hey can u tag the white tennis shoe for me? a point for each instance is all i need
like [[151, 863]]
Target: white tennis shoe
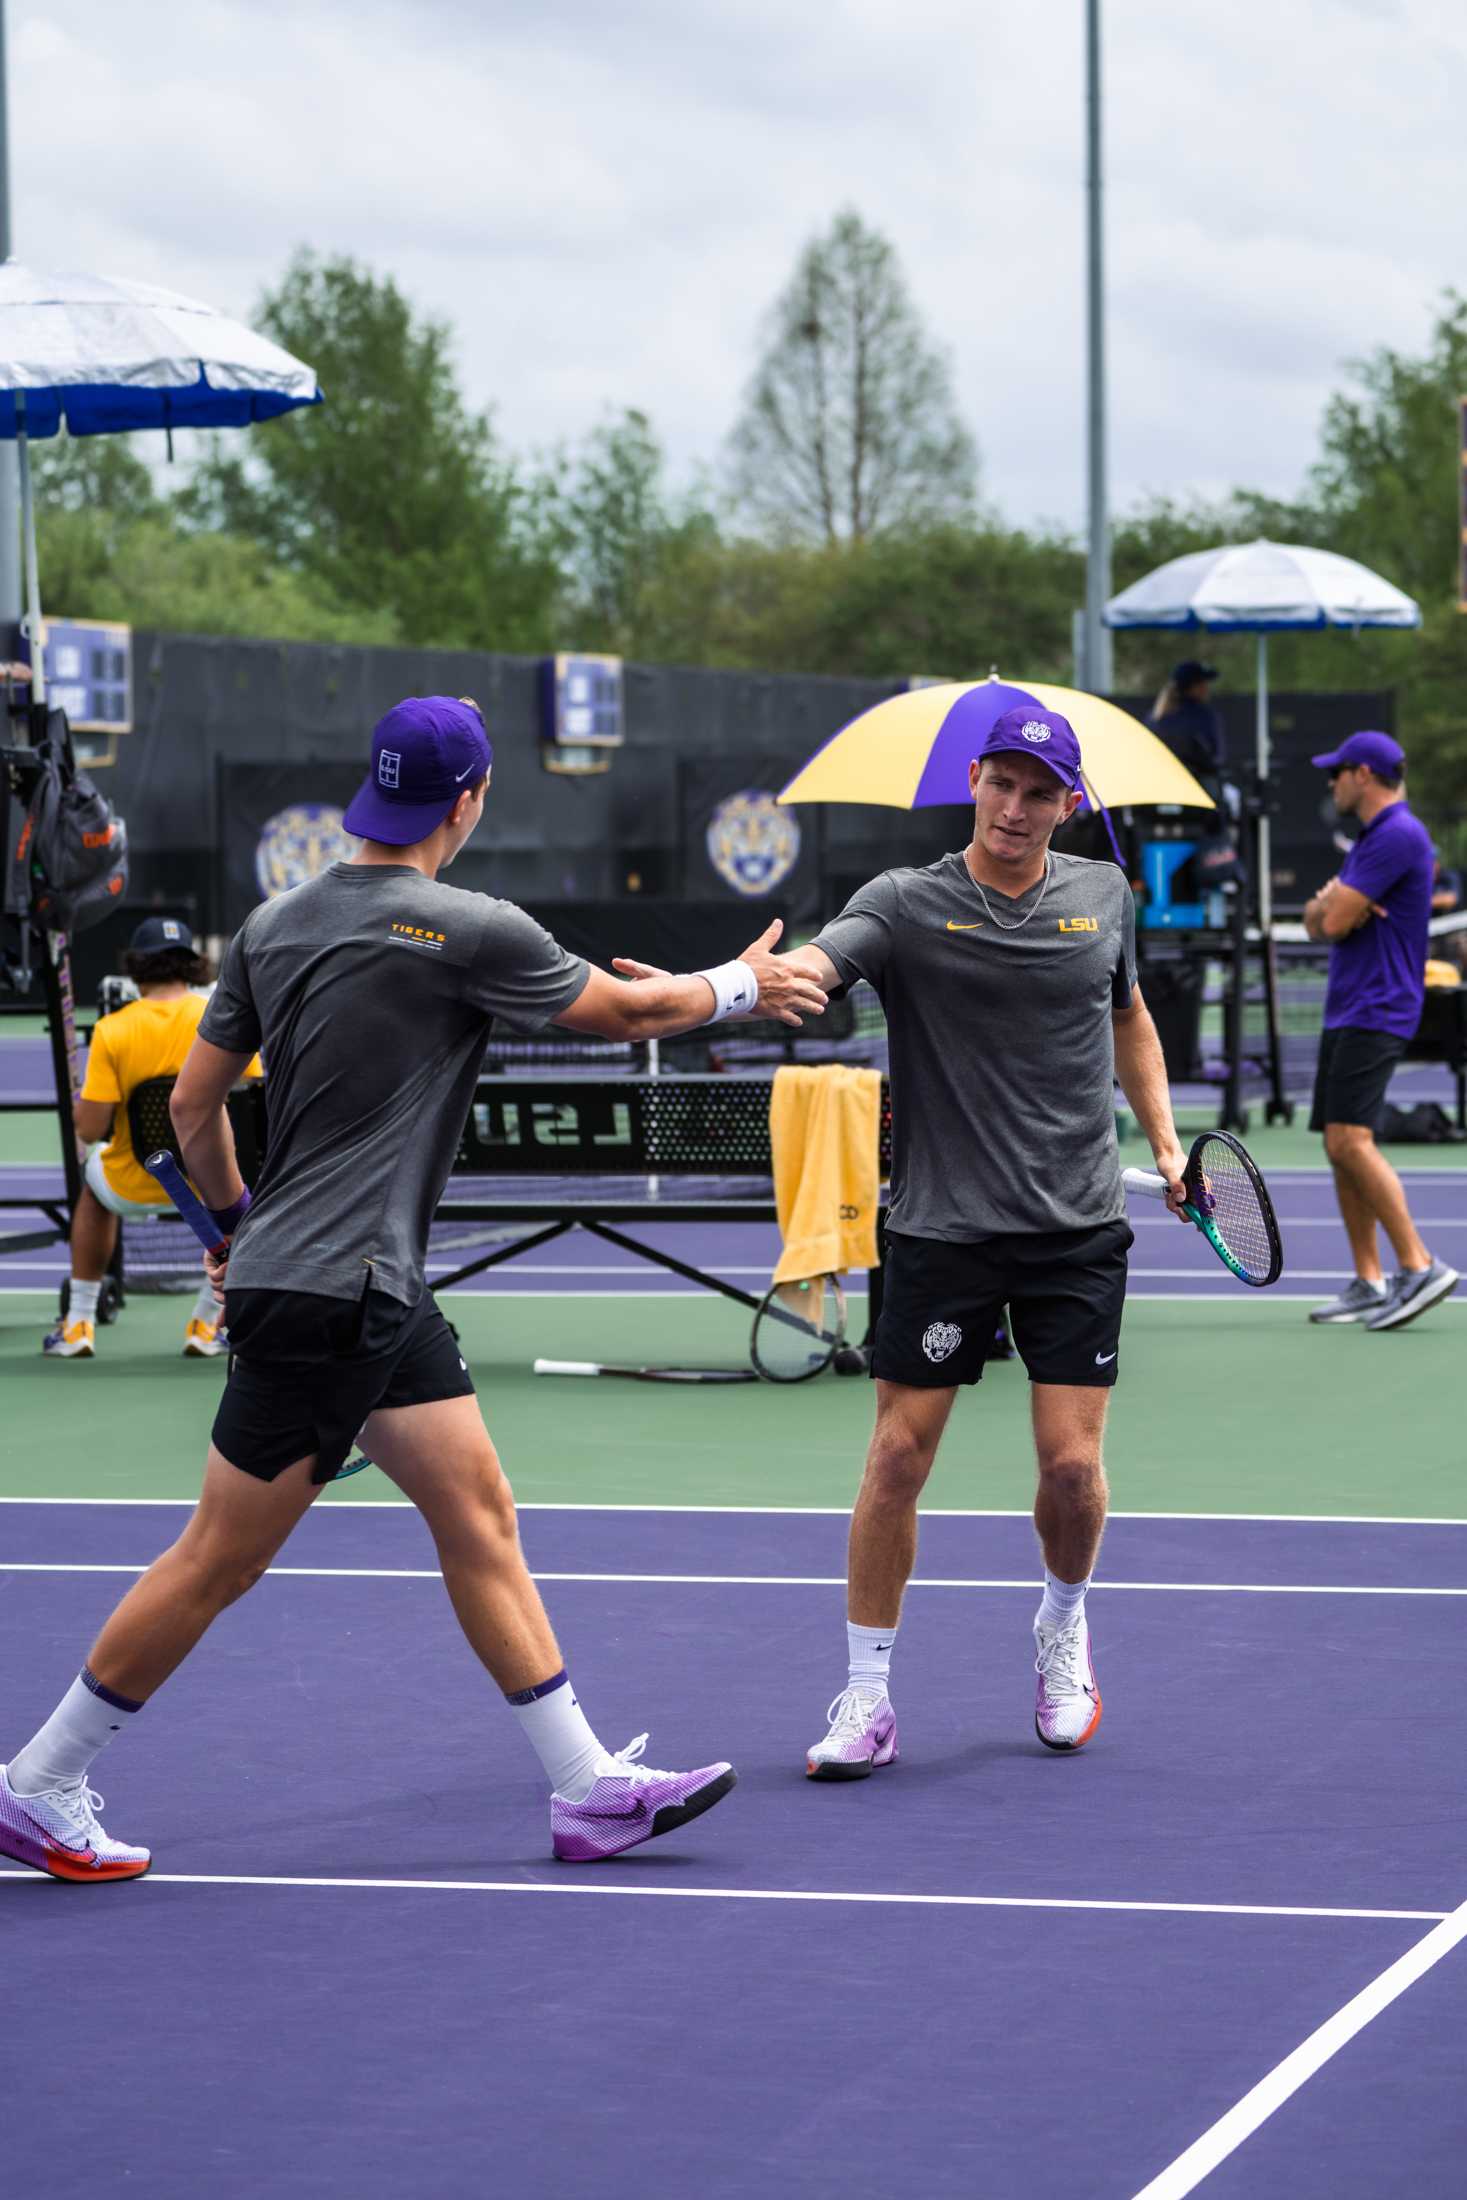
[[862, 1736], [59, 1832], [1067, 1697]]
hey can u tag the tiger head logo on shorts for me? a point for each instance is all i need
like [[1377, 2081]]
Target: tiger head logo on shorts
[[940, 1339]]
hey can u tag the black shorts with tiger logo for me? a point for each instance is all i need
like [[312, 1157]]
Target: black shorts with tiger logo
[[1064, 1290]]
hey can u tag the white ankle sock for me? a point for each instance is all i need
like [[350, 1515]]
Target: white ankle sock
[[869, 1650], [81, 1300], [82, 1724], [206, 1307], [560, 1734], [1063, 1600]]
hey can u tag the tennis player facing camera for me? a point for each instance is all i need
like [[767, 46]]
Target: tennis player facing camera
[[1008, 975], [370, 991]]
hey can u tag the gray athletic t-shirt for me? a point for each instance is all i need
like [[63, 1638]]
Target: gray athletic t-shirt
[[1002, 1052], [369, 991]]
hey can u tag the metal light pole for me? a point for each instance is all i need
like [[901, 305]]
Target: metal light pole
[[9, 477], [1097, 674]]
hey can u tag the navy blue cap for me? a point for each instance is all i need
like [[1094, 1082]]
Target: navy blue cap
[[155, 934], [426, 752], [1042, 734], [1383, 755]]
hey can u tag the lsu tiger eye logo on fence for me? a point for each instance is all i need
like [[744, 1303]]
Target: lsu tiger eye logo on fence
[[300, 843], [753, 844]]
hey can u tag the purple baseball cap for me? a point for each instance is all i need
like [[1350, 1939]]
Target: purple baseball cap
[[425, 753], [1378, 750], [1042, 734]]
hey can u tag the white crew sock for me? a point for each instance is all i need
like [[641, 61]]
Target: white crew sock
[[1063, 1601], [82, 1724], [869, 1649], [206, 1307], [561, 1736], [81, 1300]]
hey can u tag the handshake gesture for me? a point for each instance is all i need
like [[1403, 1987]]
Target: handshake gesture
[[788, 992]]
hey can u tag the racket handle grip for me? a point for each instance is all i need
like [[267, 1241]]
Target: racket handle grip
[[1144, 1181], [186, 1200], [566, 1367]]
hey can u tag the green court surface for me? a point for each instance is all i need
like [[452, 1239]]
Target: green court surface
[[1227, 1405]]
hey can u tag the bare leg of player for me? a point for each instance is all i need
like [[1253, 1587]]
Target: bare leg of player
[[1354, 1155], [1358, 1217], [1069, 1518], [441, 1457], [862, 1734], [93, 1236]]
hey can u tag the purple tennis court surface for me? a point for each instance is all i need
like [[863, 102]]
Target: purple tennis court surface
[[814, 1990]]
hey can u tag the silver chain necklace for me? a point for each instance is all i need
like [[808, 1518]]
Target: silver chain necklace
[[997, 922]]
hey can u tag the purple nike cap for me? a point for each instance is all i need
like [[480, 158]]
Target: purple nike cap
[[1378, 750], [1042, 734], [425, 753]]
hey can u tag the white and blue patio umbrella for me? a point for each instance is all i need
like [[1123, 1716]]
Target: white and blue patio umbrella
[[110, 357], [1261, 588]]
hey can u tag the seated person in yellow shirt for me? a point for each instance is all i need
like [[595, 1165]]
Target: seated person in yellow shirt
[[148, 1038]]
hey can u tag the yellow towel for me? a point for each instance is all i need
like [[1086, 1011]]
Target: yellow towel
[[825, 1137], [1442, 976]]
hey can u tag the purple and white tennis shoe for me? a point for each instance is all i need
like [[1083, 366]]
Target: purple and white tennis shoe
[[1067, 1696], [862, 1735], [58, 1832], [633, 1804]]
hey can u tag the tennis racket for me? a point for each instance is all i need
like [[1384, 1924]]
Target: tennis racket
[[647, 1374], [798, 1329], [1228, 1200], [186, 1200]]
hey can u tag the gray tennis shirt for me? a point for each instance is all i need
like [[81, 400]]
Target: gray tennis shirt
[[370, 991], [1002, 1052]]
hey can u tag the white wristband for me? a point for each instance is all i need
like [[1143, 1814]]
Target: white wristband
[[735, 989]]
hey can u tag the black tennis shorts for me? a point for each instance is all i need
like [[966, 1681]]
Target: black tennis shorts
[[306, 1371], [1064, 1289], [1352, 1076]]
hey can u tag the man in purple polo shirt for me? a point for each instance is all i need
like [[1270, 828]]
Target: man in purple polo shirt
[[1375, 915]]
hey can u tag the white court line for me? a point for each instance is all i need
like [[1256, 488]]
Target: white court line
[[766, 1894], [815, 1512], [1027, 1582], [1244, 2117]]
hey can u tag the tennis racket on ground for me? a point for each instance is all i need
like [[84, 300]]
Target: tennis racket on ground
[[647, 1374], [798, 1329], [1228, 1200], [186, 1200]]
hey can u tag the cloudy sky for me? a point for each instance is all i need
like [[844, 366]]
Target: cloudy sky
[[604, 196]]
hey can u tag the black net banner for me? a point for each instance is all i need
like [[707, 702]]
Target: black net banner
[[279, 824]]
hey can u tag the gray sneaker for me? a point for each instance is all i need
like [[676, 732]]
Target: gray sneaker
[[1412, 1291], [1355, 1302]]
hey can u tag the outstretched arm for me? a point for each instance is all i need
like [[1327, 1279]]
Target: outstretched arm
[[1141, 1072], [645, 1003]]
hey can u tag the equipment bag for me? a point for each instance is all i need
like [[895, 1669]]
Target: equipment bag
[[1425, 1124], [78, 851]]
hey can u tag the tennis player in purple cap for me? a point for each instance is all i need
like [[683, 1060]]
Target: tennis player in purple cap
[[370, 991], [1008, 976], [1376, 916]]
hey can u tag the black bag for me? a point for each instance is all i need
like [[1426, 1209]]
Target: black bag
[[1425, 1124], [78, 851]]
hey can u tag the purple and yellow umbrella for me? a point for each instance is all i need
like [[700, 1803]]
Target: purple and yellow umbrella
[[913, 751]]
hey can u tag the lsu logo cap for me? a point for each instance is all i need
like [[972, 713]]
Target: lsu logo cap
[[1042, 734]]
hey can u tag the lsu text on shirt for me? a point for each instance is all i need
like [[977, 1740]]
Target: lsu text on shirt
[[1002, 1051], [371, 990]]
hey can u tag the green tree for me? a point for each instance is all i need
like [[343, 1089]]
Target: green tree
[[392, 496], [849, 426]]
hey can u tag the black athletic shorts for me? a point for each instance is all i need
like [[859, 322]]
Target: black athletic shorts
[[1064, 1289], [1352, 1075], [306, 1371]]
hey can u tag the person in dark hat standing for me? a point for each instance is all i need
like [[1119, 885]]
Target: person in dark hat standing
[[1008, 975], [1185, 717], [1376, 917], [149, 1037]]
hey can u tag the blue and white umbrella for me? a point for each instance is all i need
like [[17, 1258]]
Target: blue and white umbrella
[[1262, 588], [108, 357]]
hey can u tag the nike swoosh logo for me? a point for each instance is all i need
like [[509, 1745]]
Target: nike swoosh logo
[[978, 927], [1103, 1359], [636, 1808], [460, 777]]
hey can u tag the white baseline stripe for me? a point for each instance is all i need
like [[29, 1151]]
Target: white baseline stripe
[[764, 1894], [821, 1512], [1243, 2119], [779, 1581]]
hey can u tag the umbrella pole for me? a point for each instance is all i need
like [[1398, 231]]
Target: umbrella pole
[[1261, 765], [32, 573]]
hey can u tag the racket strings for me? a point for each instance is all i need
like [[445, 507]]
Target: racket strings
[[1229, 1197]]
